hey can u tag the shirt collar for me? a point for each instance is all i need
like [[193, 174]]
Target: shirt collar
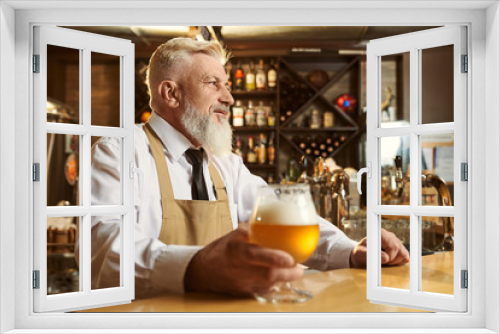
[[174, 142]]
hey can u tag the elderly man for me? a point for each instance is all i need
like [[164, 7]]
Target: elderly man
[[188, 235]]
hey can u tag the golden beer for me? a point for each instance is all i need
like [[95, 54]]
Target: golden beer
[[284, 218], [297, 240]]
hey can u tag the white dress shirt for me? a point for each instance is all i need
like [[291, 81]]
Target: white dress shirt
[[160, 267]]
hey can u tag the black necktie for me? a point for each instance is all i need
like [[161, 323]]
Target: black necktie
[[198, 186]]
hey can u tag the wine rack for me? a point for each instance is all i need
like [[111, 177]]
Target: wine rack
[[294, 100]]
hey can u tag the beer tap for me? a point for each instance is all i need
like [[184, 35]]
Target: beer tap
[[444, 199], [401, 179], [304, 178], [339, 182]]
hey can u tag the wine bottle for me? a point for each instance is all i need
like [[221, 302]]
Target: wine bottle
[[237, 148], [238, 114], [229, 73], [313, 144], [250, 117], [250, 78], [261, 118], [272, 75], [271, 118], [262, 154], [261, 76], [251, 154], [239, 78], [271, 149]]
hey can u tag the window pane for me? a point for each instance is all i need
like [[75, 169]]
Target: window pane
[[106, 175], [63, 84], [395, 90], [395, 164], [106, 252], [438, 169], [437, 85], [63, 152], [437, 271], [105, 92], [62, 267], [397, 276]]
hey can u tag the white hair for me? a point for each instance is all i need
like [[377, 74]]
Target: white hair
[[165, 58]]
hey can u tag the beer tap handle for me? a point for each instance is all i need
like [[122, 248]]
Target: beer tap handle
[[368, 171]]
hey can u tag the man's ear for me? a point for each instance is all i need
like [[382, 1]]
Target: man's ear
[[169, 92]]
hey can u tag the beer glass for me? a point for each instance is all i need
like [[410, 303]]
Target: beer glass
[[284, 217]]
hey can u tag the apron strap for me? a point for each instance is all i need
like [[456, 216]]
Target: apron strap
[[166, 190], [163, 174], [220, 189]]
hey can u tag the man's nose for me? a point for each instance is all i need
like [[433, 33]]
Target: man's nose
[[226, 97]]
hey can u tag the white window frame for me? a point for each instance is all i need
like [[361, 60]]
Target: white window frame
[[85, 44], [16, 21], [414, 43]]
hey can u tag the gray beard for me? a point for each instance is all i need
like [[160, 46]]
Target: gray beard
[[217, 138]]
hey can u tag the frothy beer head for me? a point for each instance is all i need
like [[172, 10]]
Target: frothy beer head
[[282, 213]]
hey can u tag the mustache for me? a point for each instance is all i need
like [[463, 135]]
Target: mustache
[[219, 107]]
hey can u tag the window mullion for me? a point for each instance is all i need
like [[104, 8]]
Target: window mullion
[[85, 165], [415, 178]]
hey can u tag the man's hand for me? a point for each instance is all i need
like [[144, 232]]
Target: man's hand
[[393, 251], [232, 265]]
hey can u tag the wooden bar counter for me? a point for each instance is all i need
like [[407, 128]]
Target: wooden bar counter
[[341, 290]]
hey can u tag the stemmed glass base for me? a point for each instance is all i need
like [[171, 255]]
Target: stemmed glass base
[[284, 292]]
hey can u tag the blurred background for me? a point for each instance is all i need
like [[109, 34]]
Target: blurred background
[[299, 116]]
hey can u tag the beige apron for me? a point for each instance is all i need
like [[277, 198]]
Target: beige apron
[[185, 222]]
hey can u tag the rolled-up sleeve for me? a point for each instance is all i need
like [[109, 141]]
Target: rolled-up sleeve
[[333, 250]]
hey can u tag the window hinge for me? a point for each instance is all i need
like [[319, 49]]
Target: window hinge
[[36, 279], [36, 63], [465, 279], [465, 64], [464, 171], [36, 172]]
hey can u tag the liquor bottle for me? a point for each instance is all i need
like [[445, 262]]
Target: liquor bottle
[[293, 170], [251, 155], [237, 148], [250, 78], [271, 149], [272, 75], [239, 78], [250, 117], [238, 114], [271, 118], [261, 76], [229, 73], [261, 114], [315, 120], [262, 153]]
